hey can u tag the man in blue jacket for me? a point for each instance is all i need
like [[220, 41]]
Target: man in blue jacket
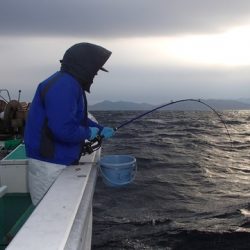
[[58, 124]]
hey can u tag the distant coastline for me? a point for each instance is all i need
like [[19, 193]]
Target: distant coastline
[[241, 104]]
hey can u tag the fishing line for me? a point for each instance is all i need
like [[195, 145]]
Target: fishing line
[[95, 144], [171, 103]]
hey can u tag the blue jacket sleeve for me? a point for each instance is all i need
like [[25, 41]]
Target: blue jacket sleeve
[[94, 124], [63, 102]]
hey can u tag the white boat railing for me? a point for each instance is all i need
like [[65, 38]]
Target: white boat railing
[[63, 219]]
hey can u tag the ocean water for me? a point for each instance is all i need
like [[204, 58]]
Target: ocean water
[[192, 187]]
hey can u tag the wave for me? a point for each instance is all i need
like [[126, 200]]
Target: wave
[[178, 240], [191, 190]]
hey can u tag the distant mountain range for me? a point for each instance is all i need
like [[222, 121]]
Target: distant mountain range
[[121, 105], [244, 100], [242, 104]]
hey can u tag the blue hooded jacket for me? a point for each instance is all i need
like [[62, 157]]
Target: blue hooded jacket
[[57, 124]]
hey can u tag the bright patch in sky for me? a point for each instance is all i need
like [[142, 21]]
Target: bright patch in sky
[[227, 49]]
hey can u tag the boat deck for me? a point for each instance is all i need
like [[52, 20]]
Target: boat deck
[[63, 219], [15, 208]]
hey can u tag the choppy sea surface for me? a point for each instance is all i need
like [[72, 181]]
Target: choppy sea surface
[[192, 187]]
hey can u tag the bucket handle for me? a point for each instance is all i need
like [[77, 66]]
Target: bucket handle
[[123, 183]]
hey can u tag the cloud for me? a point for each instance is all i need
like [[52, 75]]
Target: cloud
[[161, 84], [117, 18], [134, 75], [35, 34]]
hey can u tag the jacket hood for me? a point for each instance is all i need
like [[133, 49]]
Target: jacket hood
[[83, 60]]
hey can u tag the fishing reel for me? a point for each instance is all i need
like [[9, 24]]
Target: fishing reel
[[93, 145]]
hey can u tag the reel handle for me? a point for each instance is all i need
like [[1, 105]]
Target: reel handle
[[93, 145]]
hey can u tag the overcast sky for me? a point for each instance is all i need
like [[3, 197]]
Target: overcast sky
[[162, 49]]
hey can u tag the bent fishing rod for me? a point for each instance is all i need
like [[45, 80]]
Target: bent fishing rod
[[95, 144]]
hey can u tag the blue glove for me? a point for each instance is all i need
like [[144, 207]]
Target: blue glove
[[107, 132], [93, 132]]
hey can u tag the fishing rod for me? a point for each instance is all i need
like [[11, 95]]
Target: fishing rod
[[96, 143], [171, 103]]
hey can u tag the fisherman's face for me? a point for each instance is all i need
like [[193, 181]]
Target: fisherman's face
[[87, 84]]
